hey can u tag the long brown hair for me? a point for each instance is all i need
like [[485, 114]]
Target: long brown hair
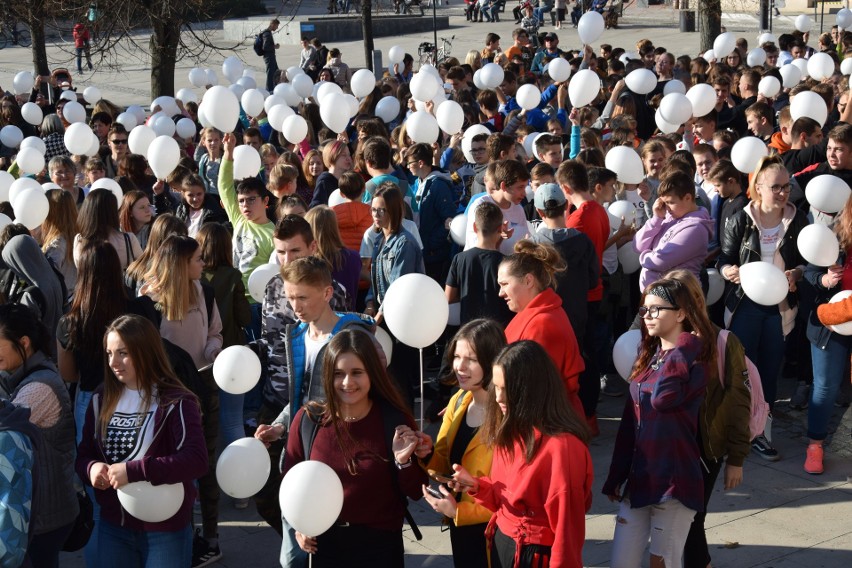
[[164, 226], [843, 227], [168, 277], [216, 246], [382, 388], [680, 286], [61, 221], [330, 246], [153, 369], [536, 399], [125, 213], [486, 338]]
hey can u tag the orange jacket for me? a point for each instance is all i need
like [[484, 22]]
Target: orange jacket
[[353, 219]]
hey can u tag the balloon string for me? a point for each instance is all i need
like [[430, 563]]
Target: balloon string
[[421, 389], [310, 560]]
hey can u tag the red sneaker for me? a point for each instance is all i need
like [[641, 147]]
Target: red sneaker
[[813, 459]]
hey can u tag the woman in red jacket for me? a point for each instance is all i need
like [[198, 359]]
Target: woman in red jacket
[[81, 44], [526, 280], [541, 475]]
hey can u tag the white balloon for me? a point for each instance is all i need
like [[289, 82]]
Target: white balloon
[[335, 198], [622, 209], [294, 128], [802, 65], [30, 161], [724, 44], [820, 66], [764, 283], [625, 352], [416, 310], [386, 342], [4, 220], [326, 88], [803, 23], [247, 162], [422, 127], [396, 54], [92, 95], [294, 71], [31, 207], [716, 288], [23, 82], [628, 56], [151, 503], [528, 96], [186, 96], [252, 102], [423, 87], [291, 97], [450, 117], [766, 37], [709, 56], [197, 77], [6, 181], [68, 96], [74, 112], [790, 76], [311, 497], [842, 328], [845, 67], [164, 126], [747, 152], [94, 146], [665, 127], [363, 82], [243, 468], [477, 80], [703, 99], [34, 142], [467, 139], [163, 156], [458, 229], [828, 193], [628, 258], [138, 112], [810, 104], [222, 108], [236, 369], [818, 245], [844, 18], [492, 75], [11, 136], [259, 278], [674, 86], [185, 128], [353, 104], [676, 108], [127, 119], [590, 27], [641, 81], [140, 139], [78, 138], [584, 87], [32, 113], [110, 185], [626, 163], [247, 83], [769, 86], [167, 105], [529, 142], [19, 186], [559, 70], [303, 85], [273, 101], [756, 57], [211, 78], [331, 115], [388, 108], [237, 89]]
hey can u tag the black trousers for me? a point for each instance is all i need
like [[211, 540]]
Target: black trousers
[[470, 549], [503, 553], [266, 500], [696, 554], [359, 547]]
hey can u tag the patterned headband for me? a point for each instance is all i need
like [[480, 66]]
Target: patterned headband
[[663, 293]]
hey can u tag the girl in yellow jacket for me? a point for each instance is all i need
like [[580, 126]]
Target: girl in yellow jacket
[[471, 353]]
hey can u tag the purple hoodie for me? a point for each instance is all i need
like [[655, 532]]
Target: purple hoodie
[[667, 244]]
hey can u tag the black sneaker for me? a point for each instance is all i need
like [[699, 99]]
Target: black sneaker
[[764, 449], [799, 400], [202, 553], [613, 385]]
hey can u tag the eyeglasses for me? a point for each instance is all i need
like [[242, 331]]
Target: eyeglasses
[[378, 211], [780, 188], [408, 164], [654, 311], [247, 200], [476, 150], [118, 141]]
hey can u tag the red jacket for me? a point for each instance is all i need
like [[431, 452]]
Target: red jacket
[[593, 220], [81, 35], [545, 322], [543, 502]]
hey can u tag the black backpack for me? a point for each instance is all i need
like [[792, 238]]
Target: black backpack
[[390, 418], [258, 44]]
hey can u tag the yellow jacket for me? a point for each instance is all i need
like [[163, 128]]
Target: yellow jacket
[[476, 459]]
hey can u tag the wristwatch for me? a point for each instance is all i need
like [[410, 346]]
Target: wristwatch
[[402, 466]]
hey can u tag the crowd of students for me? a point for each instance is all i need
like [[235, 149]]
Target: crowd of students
[[113, 311]]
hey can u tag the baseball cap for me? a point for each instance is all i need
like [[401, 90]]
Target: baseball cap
[[549, 196], [550, 36]]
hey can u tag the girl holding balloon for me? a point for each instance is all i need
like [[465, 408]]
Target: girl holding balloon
[[351, 436], [471, 353], [766, 230], [540, 482], [143, 425]]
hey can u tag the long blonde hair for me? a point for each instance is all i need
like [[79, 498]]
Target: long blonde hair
[[330, 246], [61, 221], [168, 277]]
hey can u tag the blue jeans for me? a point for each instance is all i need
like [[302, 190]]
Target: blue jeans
[[271, 67], [540, 12], [253, 398], [81, 405], [140, 549], [230, 418], [292, 556], [830, 367], [759, 330]]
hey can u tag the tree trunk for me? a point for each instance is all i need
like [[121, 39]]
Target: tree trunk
[[39, 48], [164, 45], [367, 27], [709, 22]]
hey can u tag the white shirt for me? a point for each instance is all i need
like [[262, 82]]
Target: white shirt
[[130, 430], [516, 217], [769, 242]]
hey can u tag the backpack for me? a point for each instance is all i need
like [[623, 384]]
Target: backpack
[[258, 44], [309, 427], [751, 377]]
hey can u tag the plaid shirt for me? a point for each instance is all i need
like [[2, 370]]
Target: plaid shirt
[[656, 451]]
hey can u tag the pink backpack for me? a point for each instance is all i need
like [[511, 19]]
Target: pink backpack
[[759, 406]]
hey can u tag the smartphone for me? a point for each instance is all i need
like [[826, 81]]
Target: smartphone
[[434, 492], [439, 478]]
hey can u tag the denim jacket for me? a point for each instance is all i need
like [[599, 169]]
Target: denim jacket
[[392, 258]]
